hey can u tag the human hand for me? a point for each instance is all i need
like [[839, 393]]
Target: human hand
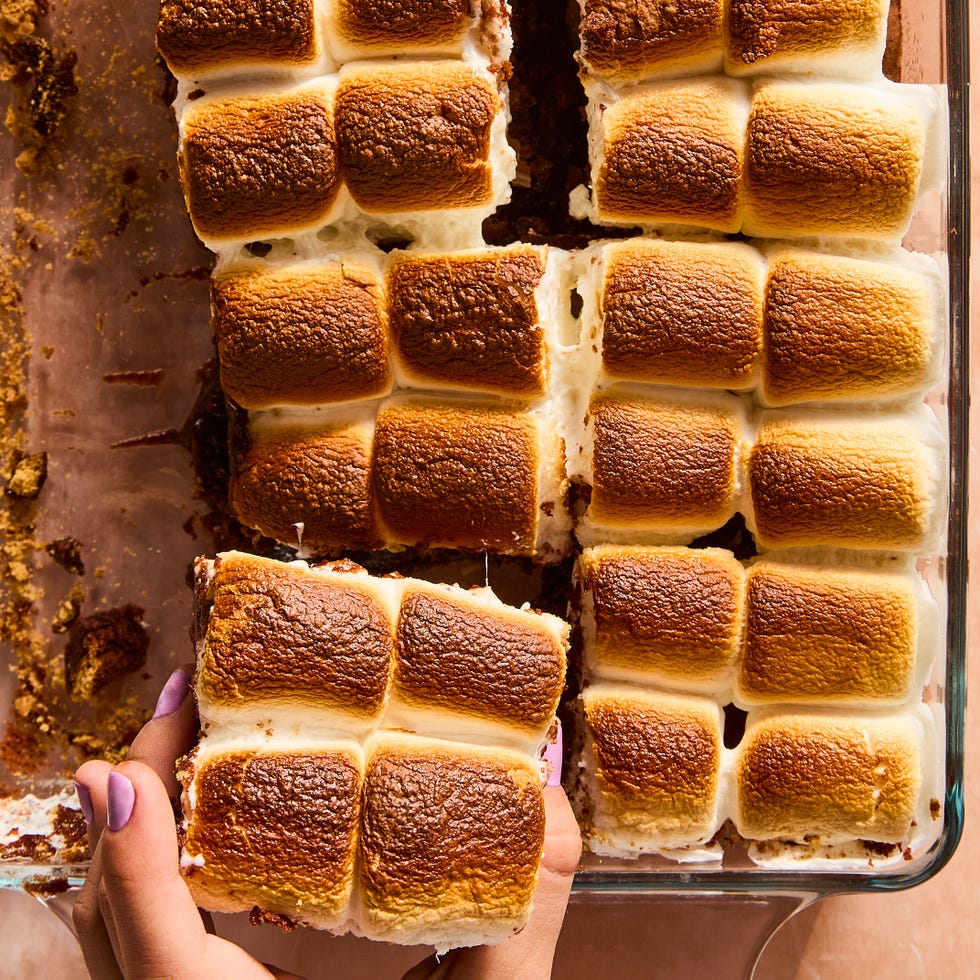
[[135, 916]]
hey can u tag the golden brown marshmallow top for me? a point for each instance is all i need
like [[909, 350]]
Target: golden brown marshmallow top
[[448, 829], [662, 464], [470, 319], [674, 155], [844, 777], [416, 137], [259, 167], [415, 23], [208, 35], [632, 39], [827, 635], [654, 751], [830, 160], [846, 484], [279, 827], [839, 327], [320, 479], [454, 655], [671, 612], [786, 28], [280, 635], [301, 335], [457, 476], [682, 313]]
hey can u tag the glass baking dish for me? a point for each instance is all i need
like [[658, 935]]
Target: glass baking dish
[[107, 288]]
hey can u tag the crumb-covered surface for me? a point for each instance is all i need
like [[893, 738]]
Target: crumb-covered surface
[[102, 287]]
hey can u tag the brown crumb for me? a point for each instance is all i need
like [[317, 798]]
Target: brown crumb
[[258, 916], [935, 808], [67, 552], [103, 647]]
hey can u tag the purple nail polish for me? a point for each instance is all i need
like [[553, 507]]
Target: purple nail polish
[[121, 798], [552, 756], [173, 693], [85, 802]]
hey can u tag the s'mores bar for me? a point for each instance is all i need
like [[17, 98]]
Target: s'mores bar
[[841, 328], [652, 772], [675, 313], [665, 616], [481, 319], [476, 476], [207, 39], [369, 757], [632, 42], [875, 482], [828, 778], [273, 828], [833, 159], [305, 480], [834, 635], [422, 137], [830, 37], [669, 154], [300, 333], [260, 165], [660, 468], [468, 666], [451, 841]]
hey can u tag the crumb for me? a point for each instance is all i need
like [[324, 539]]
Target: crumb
[[67, 613], [258, 916], [103, 647], [67, 552], [28, 476]]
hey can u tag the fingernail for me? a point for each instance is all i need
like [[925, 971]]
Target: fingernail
[[121, 798], [85, 802], [173, 694], [552, 756]]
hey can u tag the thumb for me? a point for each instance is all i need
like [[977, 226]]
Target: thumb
[[158, 929]]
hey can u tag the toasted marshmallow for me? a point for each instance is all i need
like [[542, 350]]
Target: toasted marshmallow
[[652, 772], [830, 37], [469, 667], [260, 165], [304, 480], [828, 778], [676, 313], [476, 476], [839, 328], [283, 641], [833, 159], [451, 840], [670, 617], [274, 828], [661, 469], [303, 333], [874, 482], [208, 39], [470, 320], [634, 42], [834, 635], [369, 29], [669, 155], [422, 137]]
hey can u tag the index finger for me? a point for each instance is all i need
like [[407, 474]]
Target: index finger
[[170, 733]]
